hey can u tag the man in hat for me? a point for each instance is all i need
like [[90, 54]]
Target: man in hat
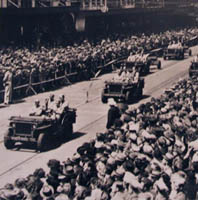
[[7, 82], [113, 113]]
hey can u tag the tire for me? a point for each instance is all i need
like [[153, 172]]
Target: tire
[[103, 98], [67, 134], [159, 64], [190, 52], [8, 143], [140, 93], [70, 130], [148, 70], [42, 142]]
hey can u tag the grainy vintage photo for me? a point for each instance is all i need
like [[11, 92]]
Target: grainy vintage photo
[[98, 100]]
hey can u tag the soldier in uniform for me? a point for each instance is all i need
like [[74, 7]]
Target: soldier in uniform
[[57, 111], [51, 103], [7, 82], [63, 103], [37, 109]]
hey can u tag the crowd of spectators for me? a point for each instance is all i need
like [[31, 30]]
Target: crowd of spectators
[[80, 59], [151, 152]]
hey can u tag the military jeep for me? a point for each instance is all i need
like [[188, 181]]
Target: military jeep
[[126, 91], [152, 59], [143, 67], [174, 53], [39, 130]]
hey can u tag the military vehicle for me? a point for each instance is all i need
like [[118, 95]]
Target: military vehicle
[[174, 53], [142, 67], [152, 59], [126, 91], [39, 130]]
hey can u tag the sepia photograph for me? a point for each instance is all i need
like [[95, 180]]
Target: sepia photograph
[[98, 99]]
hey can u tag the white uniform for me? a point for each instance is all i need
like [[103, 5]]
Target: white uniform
[[7, 80]]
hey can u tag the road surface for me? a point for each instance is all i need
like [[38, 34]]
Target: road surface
[[91, 117]]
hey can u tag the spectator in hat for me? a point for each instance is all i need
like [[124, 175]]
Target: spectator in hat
[[33, 186], [47, 192]]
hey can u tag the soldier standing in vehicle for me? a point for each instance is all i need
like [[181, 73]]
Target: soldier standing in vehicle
[[57, 111], [63, 103], [7, 82], [51, 103]]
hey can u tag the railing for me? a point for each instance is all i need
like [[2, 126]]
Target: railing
[[93, 4], [37, 3], [103, 5], [58, 81]]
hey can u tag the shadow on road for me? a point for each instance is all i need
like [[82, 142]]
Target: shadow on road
[[145, 96], [76, 135], [3, 106], [18, 101]]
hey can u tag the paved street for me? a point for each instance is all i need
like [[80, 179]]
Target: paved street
[[91, 117]]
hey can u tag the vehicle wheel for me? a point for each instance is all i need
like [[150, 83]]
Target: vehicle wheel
[[42, 142], [8, 143], [190, 52], [159, 64], [140, 93], [70, 130], [67, 134], [148, 69], [103, 98]]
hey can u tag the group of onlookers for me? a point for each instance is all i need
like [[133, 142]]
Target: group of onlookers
[[79, 61], [149, 152]]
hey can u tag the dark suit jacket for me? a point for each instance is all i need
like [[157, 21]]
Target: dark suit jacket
[[113, 114]]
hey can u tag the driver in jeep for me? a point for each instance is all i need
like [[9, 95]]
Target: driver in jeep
[[37, 110]]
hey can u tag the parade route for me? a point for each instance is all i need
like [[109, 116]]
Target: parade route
[[91, 117]]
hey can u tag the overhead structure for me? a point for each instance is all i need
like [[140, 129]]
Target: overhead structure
[[102, 5]]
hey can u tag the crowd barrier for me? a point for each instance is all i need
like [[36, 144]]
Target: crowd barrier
[[30, 88], [68, 78]]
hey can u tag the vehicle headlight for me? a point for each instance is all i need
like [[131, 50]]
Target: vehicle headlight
[[13, 125], [34, 126]]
